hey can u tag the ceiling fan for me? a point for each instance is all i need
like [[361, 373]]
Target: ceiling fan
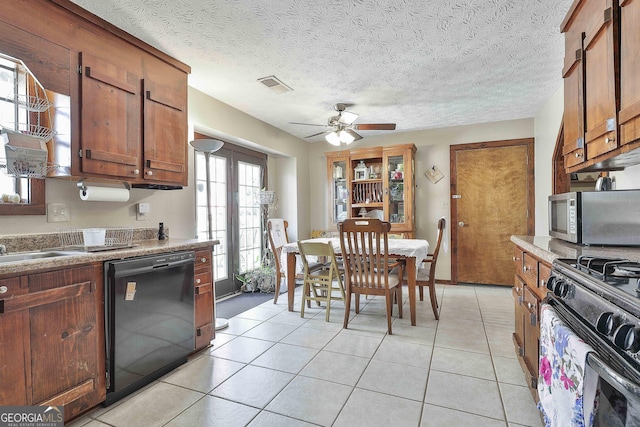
[[342, 129]]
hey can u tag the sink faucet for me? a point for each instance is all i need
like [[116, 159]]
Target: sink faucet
[[3, 249]]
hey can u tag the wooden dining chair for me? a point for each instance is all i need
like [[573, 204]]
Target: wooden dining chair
[[321, 285], [278, 237], [364, 243], [427, 272]]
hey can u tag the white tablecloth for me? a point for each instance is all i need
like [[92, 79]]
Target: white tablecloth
[[417, 248]]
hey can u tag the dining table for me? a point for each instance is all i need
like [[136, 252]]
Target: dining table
[[413, 251]]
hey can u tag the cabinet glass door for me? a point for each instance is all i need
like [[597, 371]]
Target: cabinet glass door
[[396, 188], [340, 191]]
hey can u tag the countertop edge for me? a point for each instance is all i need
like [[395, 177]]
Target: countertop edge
[[142, 248], [548, 249]]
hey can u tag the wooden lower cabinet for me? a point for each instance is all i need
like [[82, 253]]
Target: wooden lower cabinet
[[52, 339], [204, 305], [529, 289]]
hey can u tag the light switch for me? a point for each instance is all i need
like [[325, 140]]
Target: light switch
[[57, 212]]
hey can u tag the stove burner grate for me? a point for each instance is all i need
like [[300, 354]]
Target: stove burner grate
[[609, 267]]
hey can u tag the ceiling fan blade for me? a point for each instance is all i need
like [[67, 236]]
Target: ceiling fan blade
[[316, 134], [375, 126], [347, 117], [356, 135], [306, 124]]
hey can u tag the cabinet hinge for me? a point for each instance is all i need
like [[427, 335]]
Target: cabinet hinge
[[520, 351], [533, 319], [80, 69], [534, 382], [80, 153]]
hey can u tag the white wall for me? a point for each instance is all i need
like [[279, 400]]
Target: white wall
[[432, 200], [628, 179], [546, 128]]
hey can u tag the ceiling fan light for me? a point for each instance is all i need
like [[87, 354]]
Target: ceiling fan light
[[347, 117], [346, 137], [332, 138]]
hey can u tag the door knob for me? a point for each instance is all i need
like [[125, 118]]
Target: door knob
[[461, 223]]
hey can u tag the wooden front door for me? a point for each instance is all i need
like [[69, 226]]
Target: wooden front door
[[492, 194]]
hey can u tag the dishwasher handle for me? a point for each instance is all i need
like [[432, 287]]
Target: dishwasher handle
[[142, 265]]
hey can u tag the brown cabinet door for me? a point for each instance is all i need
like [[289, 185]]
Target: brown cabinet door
[[629, 115], [203, 299], [573, 148], [518, 334], [111, 133], [531, 335], [600, 44], [15, 380], [165, 133], [67, 339]]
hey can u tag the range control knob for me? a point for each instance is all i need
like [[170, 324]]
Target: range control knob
[[561, 288], [551, 282], [606, 323], [627, 337]]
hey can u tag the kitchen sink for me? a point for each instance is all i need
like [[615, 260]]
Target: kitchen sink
[[25, 256]]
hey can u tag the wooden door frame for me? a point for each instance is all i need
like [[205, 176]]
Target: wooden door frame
[[453, 149]]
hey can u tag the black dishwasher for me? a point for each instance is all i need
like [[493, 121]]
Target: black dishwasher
[[149, 319]]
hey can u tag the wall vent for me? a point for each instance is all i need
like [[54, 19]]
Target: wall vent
[[274, 84]]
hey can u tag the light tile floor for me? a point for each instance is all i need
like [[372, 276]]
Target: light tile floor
[[270, 367]]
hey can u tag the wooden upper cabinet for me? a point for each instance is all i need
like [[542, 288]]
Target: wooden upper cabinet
[[165, 132], [127, 100], [629, 115], [110, 119], [133, 128], [590, 88], [573, 75], [601, 85], [600, 50]]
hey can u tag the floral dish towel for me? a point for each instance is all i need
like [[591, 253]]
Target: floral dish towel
[[567, 386]]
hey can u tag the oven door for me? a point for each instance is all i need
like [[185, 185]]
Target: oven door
[[619, 396]]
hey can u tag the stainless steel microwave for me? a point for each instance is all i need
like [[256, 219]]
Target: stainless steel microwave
[[596, 217]]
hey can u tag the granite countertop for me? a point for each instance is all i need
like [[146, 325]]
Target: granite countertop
[[146, 247], [548, 249]]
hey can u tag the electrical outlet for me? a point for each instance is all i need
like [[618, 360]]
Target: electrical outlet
[[57, 212], [142, 211]]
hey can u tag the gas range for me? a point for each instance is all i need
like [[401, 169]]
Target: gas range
[[602, 296]]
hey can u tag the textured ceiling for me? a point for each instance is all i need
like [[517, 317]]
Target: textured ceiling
[[419, 63]]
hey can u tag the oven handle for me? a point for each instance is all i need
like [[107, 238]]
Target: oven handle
[[628, 388]]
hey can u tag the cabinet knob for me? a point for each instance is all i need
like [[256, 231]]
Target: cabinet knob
[[578, 154], [3, 289], [198, 281], [515, 258], [525, 268], [609, 140], [529, 305], [542, 283], [203, 259], [136, 171], [149, 173]]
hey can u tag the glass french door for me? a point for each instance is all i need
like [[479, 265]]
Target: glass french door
[[236, 178]]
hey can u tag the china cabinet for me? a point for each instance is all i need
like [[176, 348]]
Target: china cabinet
[[374, 182]]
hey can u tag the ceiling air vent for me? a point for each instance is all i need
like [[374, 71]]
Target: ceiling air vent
[[274, 84]]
